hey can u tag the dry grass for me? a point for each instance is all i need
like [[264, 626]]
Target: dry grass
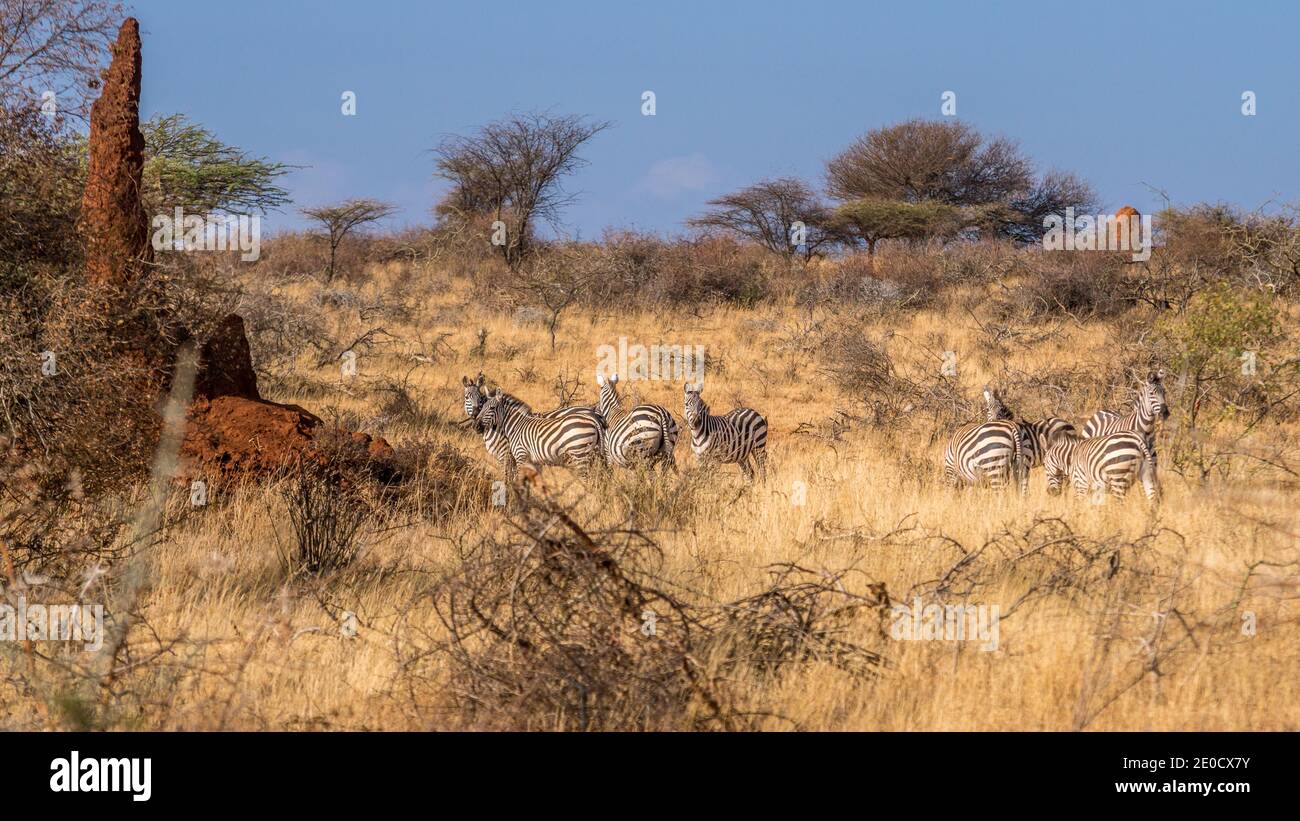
[[1113, 617]]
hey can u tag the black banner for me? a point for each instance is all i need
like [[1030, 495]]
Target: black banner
[[148, 771]]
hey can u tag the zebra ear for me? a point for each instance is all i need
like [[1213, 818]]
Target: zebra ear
[[481, 380], [464, 380], [600, 379], [613, 379], [497, 393], [1156, 376]]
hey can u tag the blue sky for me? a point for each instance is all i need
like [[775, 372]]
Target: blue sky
[[1128, 96]]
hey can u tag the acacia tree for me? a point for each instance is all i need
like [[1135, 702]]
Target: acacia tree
[[186, 165], [511, 170], [869, 221], [55, 45], [340, 220], [767, 211], [950, 162]]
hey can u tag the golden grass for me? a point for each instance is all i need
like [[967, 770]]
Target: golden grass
[[1160, 647]]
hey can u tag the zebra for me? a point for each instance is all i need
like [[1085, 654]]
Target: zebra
[[738, 438], [986, 452], [1111, 462], [645, 432], [497, 445], [1035, 437], [1151, 404]]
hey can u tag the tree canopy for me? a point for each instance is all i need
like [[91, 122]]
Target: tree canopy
[[511, 170]]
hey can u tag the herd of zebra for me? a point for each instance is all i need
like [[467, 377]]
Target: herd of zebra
[[1112, 452], [609, 433]]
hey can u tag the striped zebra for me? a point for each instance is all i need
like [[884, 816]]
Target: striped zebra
[[641, 433], [1108, 462], [1149, 406], [1035, 437], [496, 443], [738, 438], [989, 453]]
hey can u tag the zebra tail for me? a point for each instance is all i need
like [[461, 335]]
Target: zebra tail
[[1019, 464]]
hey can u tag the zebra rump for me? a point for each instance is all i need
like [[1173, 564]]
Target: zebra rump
[[1111, 462], [644, 432]]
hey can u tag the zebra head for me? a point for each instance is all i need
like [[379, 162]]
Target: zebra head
[[493, 411], [1151, 399], [694, 408], [995, 409], [1056, 462], [609, 400], [475, 395]]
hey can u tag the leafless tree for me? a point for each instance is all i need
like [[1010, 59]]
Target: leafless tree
[[511, 170], [767, 212], [552, 282], [55, 45], [1052, 194], [339, 220]]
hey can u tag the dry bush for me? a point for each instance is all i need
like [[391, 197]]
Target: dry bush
[[864, 373], [326, 516], [1133, 592], [1082, 285], [295, 255], [438, 481], [80, 376], [1269, 252], [41, 182], [87, 403], [626, 263], [48, 528], [558, 627], [852, 281], [637, 269]]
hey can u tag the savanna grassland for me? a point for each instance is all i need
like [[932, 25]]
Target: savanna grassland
[[1118, 616]]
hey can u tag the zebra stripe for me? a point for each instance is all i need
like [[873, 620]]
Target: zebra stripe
[[497, 446], [1035, 437], [1111, 462], [1149, 406], [575, 440], [985, 453], [737, 438], [644, 432]]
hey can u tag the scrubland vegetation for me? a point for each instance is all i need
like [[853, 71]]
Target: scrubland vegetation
[[430, 595], [770, 600]]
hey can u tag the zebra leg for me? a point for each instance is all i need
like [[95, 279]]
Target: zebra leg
[[664, 458], [950, 477], [1150, 484], [746, 469], [510, 467], [760, 459]]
